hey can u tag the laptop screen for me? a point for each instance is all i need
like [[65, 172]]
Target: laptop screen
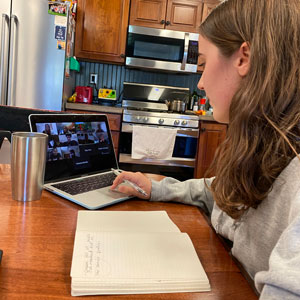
[[78, 144]]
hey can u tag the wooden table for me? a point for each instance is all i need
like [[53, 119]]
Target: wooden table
[[37, 239]]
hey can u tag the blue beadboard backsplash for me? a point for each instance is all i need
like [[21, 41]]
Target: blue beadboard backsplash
[[113, 76]]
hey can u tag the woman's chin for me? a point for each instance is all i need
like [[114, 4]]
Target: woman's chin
[[220, 118]]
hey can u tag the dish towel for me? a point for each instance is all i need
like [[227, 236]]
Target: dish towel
[[152, 142]]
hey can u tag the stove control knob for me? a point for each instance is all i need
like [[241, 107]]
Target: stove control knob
[[145, 119], [184, 122], [138, 118], [161, 121], [176, 122]]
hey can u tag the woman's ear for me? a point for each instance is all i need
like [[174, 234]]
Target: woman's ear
[[243, 59]]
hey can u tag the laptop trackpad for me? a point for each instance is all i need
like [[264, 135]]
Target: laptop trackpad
[[104, 196]]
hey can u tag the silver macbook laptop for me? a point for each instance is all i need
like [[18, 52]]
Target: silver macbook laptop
[[80, 157]]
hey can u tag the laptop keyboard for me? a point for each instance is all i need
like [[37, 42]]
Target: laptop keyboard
[[87, 184]]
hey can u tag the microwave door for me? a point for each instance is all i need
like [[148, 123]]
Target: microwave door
[[161, 49], [155, 49]]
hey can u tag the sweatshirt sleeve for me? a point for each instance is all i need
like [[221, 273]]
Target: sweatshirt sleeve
[[282, 280], [193, 192]]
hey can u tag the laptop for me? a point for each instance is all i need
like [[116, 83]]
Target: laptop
[[80, 156]]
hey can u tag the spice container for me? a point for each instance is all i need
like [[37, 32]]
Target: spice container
[[202, 110]]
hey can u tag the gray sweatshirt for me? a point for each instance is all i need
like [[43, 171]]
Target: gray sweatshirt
[[265, 240]]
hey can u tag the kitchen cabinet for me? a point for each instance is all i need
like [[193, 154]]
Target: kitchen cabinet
[[101, 29], [211, 135], [208, 6], [114, 120], [181, 15]]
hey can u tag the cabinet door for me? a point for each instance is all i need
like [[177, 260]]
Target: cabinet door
[[148, 13], [115, 138], [208, 7], [184, 15], [114, 121], [211, 136], [101, 29]]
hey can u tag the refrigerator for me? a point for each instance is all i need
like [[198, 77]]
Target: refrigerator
[[32, 66]]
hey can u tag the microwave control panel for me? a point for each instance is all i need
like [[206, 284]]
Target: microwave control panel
[[192, 57]]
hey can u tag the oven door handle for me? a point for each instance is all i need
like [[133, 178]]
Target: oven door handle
[[174, 161], [188, 133], [181, 132]]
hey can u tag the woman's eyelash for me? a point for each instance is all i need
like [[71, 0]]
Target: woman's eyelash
[[202, 65]]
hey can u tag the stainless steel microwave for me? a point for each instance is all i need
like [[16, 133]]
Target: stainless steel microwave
[[162, 49]]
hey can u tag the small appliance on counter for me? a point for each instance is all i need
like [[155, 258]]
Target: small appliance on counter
[[84, 94], [107, 94], [107, 97]]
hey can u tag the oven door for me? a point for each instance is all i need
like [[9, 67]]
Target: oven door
[[184, 153]]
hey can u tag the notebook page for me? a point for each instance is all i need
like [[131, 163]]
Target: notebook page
[[125, 221], [105, 256]]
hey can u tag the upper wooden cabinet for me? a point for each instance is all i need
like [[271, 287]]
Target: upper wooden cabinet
[[181, 15], [149, 13], [208, 6], [101, 30]]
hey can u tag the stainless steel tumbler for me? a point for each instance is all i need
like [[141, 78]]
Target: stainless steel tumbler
[[28, 161]]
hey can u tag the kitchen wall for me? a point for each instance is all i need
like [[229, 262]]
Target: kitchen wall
[[113, 76]]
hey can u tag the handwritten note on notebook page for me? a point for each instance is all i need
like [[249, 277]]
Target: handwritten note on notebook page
[[114, 262]]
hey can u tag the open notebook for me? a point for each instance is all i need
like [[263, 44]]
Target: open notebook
[[132, 252]]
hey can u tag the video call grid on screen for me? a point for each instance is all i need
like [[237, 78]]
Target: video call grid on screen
[[74, 140]]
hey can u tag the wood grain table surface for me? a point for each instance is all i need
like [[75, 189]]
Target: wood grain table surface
[[37, 241]]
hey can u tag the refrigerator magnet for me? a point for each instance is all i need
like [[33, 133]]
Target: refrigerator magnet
[[57, 8], [60, 33], [60, 21], [61, 45]]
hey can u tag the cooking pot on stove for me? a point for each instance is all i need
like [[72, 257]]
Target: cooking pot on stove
[[176, 105]]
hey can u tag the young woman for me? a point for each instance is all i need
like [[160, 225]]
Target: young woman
[[251, 50]]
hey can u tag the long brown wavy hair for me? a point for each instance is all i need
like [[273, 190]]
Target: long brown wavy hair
[[264, 116]]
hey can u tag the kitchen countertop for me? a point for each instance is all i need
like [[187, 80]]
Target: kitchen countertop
[[115, 109], [95, 107], [207, 118]]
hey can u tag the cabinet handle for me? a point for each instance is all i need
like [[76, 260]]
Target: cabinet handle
[[168, 23], [203, 129], [122, 55], [162, 22]]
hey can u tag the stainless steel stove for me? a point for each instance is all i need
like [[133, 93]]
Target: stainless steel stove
[[145, 105]]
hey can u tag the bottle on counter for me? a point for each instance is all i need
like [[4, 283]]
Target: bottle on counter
[[194, 100], [202, 110]]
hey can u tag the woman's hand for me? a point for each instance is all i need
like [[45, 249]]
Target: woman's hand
[[138, 178]]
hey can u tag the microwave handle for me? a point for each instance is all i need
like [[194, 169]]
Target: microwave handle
[[186, 49]]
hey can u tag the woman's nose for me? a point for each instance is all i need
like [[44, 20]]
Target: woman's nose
[[200, 85]]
